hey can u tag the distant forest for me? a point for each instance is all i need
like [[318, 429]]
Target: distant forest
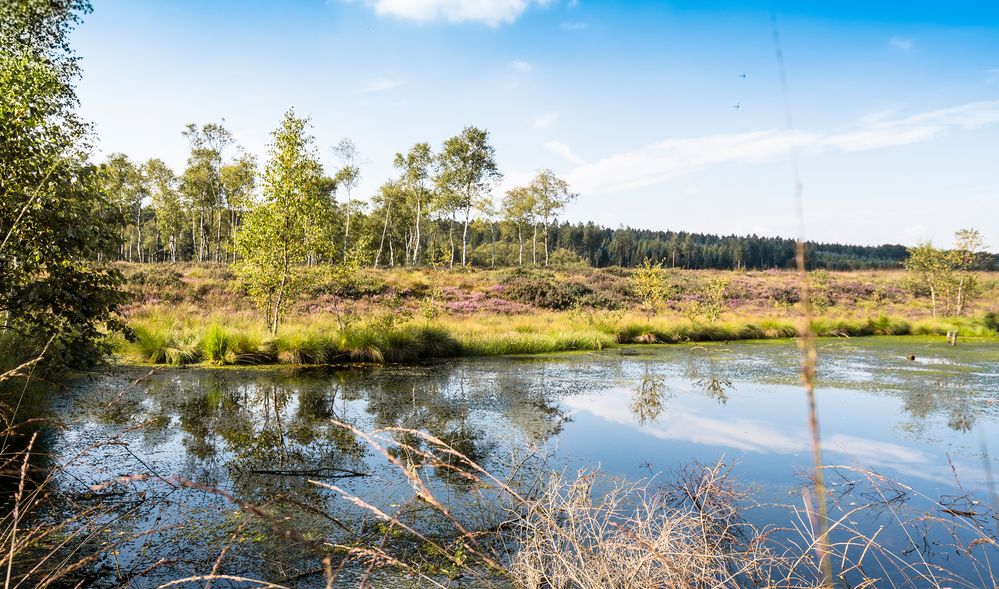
[[602, 246]]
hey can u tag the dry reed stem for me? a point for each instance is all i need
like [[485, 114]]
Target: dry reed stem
[[806, 330], [196, 578]]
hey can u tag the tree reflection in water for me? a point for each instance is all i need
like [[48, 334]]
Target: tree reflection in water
[[649, 399]]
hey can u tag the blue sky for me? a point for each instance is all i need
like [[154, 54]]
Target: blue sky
[[896, 106]]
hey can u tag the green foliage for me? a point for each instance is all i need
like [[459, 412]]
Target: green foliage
[[653, 287], [55, 218], [716, 292], [545, 291], [466, 172], [216, 346], [164, 345], [948, 274], [286, 230], [991, 320], [431, 306]]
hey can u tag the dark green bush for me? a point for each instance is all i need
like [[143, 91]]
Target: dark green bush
[[545, 291], [158, 277]]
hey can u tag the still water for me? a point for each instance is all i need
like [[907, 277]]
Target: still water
[[130, 436]]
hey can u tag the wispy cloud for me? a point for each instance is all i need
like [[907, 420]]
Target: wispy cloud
[[545, 120], [574, 25], [901, 43], [521, 67], [563, 150], [657, 162], [491, 13], [687, 424], [381, 85]]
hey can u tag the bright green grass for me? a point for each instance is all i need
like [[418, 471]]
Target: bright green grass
[[240, 340]]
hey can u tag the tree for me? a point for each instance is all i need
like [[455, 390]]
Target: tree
[[930, 268], [518, 211], [165, 201], [967, 256], [389, 194], [238, 180], [347, 178], [202, 182], [56, 220], [551, 195], [416, 168], [122, 180], [716, 291], [467, 171], [274, 239], [652, 286]]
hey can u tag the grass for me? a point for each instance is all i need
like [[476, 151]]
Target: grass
[[197, 314], [178, 337]]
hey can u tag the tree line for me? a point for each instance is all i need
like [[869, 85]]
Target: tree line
[[439, 209]]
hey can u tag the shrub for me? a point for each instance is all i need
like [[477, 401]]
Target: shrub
[[545, 291]]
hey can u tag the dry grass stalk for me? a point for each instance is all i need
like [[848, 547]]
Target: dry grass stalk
[[806, 331], [685, 536]]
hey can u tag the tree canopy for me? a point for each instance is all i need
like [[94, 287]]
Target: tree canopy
[[57, 222]]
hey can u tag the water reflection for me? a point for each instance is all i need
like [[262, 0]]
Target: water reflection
[[649, 399], [260, 435]]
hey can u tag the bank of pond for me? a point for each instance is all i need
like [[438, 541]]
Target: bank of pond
[[160, 339]]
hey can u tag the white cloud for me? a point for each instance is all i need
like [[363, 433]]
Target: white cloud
[[545, 120], [521, 67], [574, 26], [381, 85], [901, 43], [492, 13], [656, 162], [513, 179], [563, 150]]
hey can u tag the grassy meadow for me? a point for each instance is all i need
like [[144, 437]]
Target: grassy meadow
[[191, 313]]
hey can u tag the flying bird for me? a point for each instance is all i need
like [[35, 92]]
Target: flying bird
[[737, 105], [743, 75]]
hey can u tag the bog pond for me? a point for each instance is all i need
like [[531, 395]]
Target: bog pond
[[130, 435]]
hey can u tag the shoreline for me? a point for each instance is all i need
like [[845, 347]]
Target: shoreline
[[346, 360]]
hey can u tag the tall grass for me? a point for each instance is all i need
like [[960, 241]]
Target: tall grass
[[160, 339]]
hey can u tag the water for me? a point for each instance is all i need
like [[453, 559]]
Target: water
[[131, 438]]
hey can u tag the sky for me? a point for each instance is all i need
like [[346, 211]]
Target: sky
[[894, 105]]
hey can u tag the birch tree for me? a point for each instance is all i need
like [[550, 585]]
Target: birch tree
[[416, 169], [239, 179], [274, 238], [347, 177], [551, 195], [202, 181], [518, 211], [466, 173], [967, 256], [165, 201]]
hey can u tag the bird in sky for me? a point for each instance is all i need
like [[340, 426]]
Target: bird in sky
[[737, 105], [743, 75]]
